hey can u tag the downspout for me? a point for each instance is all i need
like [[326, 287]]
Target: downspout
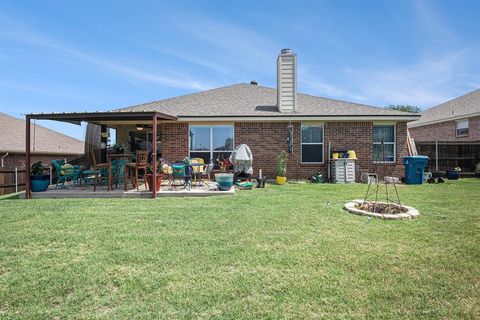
[[4, 156]]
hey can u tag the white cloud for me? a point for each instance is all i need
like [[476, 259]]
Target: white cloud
[[20, 32], [426, 83]]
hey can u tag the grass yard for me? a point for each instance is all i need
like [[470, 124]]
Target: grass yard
[[279, 252]]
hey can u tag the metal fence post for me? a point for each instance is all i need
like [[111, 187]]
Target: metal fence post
[[436, 155], [51, 175], [16, 180]]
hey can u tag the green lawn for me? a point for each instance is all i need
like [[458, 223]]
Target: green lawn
[[279, 252]]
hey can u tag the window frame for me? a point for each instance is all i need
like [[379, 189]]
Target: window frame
[[212, 150], [456, 128], [394, 143], [320, 125]]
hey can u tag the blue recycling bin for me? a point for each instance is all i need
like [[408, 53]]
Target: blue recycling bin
[[414, 169]]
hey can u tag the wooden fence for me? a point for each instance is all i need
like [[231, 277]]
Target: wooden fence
[[448, 155], [12, 180]]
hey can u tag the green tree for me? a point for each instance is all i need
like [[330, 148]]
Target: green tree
[[404, 107]]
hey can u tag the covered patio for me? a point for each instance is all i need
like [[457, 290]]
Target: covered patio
[[126, 124]]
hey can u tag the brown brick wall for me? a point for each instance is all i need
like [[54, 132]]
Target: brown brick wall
[[174, 141], [266, 140], [445, 131]]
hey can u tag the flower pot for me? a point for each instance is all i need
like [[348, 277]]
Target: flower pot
[[39, 183], [281, 180], [159, 178], [453, 174], [225, 181]]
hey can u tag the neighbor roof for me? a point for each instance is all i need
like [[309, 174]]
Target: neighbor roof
[[249, 100], [46, 141], [465, 106]]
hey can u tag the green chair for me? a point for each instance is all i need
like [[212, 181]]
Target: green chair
[[66, 172], [178, 173]]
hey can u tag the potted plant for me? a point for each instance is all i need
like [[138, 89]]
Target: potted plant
[[39, 179], [158, 177], [121, 147], [454, 174], [281, 168]]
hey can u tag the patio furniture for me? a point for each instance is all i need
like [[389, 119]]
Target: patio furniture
[[198, 167], [99, 173], [65, 173], [140, 164], [119, 166], [179, 172], [205, 173]]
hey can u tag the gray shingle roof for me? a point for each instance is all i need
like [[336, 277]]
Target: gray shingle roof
[[463, 106], [253, 100], [12, 138]]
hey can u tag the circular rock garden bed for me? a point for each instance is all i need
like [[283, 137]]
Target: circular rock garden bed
[[382, 210]]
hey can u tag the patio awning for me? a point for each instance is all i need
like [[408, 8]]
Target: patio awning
[[99, 117]]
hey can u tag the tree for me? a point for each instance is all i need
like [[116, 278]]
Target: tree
[[404, 107]]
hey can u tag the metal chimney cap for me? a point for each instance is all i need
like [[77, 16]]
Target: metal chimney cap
[[254, 82], [285, 51]]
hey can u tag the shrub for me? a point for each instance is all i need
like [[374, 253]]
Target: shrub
[[282, 164]]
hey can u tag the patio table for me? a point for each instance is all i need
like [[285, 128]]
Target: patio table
[[120, 156]]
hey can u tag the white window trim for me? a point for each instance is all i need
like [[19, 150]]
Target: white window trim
[[456, 128], [394, 143], [313, 143], [211, 151]]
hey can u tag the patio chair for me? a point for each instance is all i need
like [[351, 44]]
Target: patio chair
[[141, 163], [66, 173], [179, 172], [118, 171], [99, 173], [197, 168]]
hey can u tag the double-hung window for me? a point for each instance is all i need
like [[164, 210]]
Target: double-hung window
[[312, 143], [384, 143], [210, 142], [461, 128]]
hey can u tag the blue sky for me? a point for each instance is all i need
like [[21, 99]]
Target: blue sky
[[99, 55]]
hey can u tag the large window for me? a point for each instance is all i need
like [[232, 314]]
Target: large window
[[312, 143], [384, 143], [461, 128], [211, 142]]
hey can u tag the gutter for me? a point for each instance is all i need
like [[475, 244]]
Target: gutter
[[287, 117], [426, 123]]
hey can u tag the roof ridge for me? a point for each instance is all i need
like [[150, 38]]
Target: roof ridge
[[453, 99], [180, 96]]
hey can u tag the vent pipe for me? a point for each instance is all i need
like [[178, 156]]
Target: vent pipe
[[286, 81]]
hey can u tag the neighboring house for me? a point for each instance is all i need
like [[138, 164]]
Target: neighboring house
[[46, 144], [449, 134], [455, 120], [209, 124]]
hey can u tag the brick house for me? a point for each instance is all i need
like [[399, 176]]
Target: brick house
[[209, 124], [47, 144], [455, 120], [450, 133]]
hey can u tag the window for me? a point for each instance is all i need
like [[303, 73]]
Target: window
[[461, 128], [312, 143], [384, 143], [211, 142]]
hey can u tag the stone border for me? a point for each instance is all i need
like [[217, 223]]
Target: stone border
[[412, 213]]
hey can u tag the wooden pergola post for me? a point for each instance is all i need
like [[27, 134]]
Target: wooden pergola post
[[154, 156], [27, 156]]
